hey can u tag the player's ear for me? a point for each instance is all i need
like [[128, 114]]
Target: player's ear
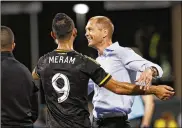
[[53, 35], [13, 45], [74, 32]]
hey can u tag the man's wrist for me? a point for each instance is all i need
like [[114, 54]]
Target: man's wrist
[[154, 71], [144, 126], [151, 90]]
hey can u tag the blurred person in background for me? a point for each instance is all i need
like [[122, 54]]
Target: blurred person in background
[[142, 109], [110, 110], [147, 39], [167, 120], [19, 98], [64, 74], [179, 119], [154, 47], [143, 106]]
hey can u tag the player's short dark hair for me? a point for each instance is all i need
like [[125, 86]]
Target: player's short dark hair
[[7, 37], [62, 26]]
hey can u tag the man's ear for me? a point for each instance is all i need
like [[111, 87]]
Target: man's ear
[[13, 45], [53, 35], [74, 32], [106, 32]]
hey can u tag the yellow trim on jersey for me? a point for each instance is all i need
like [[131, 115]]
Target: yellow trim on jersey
[[92, 60], [62, 50], [104, 79]]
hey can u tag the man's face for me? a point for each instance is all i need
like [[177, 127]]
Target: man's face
[[94, 33]]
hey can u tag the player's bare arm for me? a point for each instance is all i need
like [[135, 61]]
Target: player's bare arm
[[163, 92], [35, 75]]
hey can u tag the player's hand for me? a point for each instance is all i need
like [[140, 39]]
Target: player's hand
[[144, 126], [145, 79], [164, 92]]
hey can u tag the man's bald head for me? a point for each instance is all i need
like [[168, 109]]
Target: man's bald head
[[7, 37], [105, 23]]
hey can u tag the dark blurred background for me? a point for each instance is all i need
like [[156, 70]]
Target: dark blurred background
[[127, 22], [152, 27]]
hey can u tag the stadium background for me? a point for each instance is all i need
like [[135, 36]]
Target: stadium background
[[159, 23]]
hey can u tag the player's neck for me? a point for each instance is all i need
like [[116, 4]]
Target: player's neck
[[102, 46], [65, 45], [6, 50]]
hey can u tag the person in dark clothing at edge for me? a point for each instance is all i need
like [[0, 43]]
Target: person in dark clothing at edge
[[19, 99], [64, 74]]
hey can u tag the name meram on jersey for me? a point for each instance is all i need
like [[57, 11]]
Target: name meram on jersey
[[62, 59]]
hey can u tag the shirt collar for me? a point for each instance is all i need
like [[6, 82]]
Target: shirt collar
[[110, 49], [7, 53]]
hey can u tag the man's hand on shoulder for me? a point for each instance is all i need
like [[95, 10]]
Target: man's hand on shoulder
[[146, 77]]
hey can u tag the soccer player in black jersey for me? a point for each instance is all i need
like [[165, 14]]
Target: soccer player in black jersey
[[64, 74]]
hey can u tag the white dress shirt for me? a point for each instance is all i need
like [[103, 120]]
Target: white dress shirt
[[117, 60]]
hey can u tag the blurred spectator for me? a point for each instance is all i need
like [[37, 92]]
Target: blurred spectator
[[137, 112], [179, 120], [167, 74], [167, 120], [139, 41], [147, 40], [154, 47], [141, 114]]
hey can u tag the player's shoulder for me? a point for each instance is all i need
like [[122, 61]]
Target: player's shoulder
[[91, 59], [45, 56], [22, 66], [16, 67], [123, 51], [85, 58]]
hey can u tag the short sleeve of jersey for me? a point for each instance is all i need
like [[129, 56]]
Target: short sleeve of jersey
[[96, 72], [40, 65]]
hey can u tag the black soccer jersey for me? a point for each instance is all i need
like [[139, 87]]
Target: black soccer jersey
[[64, 76]]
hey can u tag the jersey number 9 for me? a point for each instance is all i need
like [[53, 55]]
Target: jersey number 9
[[65, 89]]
